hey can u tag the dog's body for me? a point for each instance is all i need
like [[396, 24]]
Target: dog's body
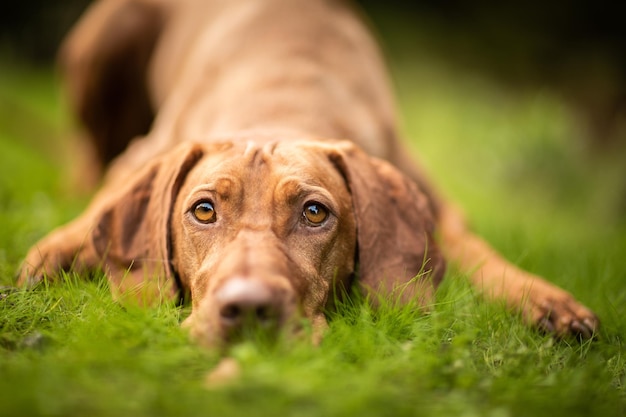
[[245, 192]]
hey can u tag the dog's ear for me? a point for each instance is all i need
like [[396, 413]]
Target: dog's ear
[[131, 236], [397, 252]]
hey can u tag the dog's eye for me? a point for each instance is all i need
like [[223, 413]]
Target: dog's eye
[[315, 214], [204, 212]]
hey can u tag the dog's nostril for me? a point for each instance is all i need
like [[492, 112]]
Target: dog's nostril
[[248, 303], [230, 312], [234, 314], [264, 314]]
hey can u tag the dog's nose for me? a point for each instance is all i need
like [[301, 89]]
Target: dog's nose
[[248, 303]]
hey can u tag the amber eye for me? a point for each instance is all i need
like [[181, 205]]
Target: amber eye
[[204, 212], [315, 214]]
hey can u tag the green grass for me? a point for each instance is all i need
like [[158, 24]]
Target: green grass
[[512, 160]]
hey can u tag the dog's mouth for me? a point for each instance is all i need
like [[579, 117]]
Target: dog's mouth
[[246, 309], [262, 331], [254, 312]]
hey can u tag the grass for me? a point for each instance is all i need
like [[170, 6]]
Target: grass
[[514, 162]]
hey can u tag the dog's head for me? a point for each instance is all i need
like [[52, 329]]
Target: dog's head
[[260, 233]]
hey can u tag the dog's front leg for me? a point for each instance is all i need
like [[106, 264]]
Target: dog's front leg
[[541, 303]]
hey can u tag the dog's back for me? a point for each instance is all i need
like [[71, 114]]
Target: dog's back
[[209, 68]]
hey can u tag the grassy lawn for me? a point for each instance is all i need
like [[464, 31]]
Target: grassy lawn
[[513, 160]]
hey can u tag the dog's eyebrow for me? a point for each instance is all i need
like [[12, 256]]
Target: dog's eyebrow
[[223, 185], [293, 189]]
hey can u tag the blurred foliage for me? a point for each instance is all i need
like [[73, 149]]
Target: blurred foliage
[[32, 30]]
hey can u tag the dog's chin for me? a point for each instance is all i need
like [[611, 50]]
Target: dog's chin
[[208, 335]]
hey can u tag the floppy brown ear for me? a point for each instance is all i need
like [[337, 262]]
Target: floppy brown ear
[[132, 234], [397, 253]]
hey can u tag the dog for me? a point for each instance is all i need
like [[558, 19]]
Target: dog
[[254, 166]]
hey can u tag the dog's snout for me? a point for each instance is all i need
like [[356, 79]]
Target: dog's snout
[[247, 302]]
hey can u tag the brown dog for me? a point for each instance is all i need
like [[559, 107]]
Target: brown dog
[[241, 193]]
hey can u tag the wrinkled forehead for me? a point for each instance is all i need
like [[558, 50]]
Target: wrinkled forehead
[[266, 164]]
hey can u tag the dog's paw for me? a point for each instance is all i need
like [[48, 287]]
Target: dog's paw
[[557, 312], [38, 264]]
